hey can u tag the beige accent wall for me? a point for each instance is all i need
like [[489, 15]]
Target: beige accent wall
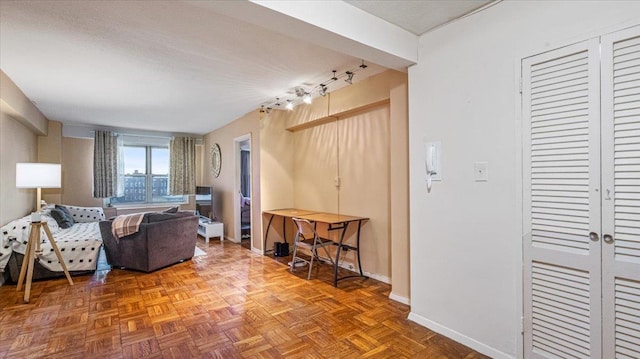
[[199, 164], [224, 186], [77, 172], [356, 150], [399, 189], [16, 104], [50, 151], [20, 124], [17, 144], [367, 148]]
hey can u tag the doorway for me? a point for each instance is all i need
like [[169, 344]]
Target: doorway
[[243, 190]]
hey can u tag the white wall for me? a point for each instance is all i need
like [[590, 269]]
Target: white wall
[[466, 235]]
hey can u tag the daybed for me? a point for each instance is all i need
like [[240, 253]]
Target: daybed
[[161, 240], [79, 244]]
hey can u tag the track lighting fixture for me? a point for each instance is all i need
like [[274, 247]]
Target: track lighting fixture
[[304, 94]]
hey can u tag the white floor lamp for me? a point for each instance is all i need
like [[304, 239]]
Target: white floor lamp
[[37, 175]]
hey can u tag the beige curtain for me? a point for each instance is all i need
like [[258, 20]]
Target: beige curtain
[[105, 164], [182, 166]]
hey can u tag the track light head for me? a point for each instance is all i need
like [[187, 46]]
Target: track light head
[[300, 91], [322, 90], [334, 78], [362, 65], [349, 78]]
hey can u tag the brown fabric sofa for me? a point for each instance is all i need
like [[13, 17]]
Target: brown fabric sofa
[[163, 239]]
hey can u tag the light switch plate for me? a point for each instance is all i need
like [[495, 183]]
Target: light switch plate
[[481, 171]]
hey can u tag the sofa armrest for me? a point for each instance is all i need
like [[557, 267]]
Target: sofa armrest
[[85, 214]]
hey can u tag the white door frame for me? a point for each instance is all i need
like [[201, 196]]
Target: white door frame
[[237, 218]]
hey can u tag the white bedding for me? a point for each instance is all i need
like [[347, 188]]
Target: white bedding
[[79, 244]]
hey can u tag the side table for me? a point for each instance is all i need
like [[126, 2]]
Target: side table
[[208, 229]]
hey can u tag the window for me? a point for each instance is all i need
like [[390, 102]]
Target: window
[[146, 176]]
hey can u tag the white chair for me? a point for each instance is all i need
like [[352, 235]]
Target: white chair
[[307, 238]]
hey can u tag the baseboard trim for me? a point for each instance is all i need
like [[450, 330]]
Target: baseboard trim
[[257, 251], [353, 267], [399, 298], [231, 239], [460, 338]]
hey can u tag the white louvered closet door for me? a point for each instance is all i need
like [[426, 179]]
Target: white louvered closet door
[[621, 193], [561, 180]]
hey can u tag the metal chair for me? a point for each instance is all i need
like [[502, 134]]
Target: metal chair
[[307, 238]]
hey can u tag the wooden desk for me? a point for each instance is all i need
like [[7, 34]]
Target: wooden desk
[[336, 222], [284, 213]]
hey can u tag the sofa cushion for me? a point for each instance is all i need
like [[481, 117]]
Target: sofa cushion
[[64, 221]]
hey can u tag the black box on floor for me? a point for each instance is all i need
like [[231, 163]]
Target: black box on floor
[[280, 249]]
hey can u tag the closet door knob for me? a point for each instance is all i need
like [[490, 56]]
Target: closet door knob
[[594, 236], [607, 238]]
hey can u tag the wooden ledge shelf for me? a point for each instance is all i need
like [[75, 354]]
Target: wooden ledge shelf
[[337, 116]]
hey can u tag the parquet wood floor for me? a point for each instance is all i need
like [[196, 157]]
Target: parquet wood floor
[[230, 303]]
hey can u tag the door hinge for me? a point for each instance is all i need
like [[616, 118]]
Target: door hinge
[[520, 85]]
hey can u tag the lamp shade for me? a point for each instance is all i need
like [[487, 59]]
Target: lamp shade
[[38, 175]]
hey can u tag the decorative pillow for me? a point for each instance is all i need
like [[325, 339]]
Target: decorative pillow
[[85, 214], [61, 218], [66, 213], [171, 210]]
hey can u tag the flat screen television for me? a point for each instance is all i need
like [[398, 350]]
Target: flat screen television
[[204, 202]]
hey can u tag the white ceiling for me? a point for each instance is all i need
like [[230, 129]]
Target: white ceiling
[[418, 16], [173, 66]]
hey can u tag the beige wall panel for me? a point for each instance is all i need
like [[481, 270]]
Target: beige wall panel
[[369, 90], [276, 161], [364, 187], [276, 168], [225, 194], [315, 167], [199, 164], [50, 151], [304, 113], [17, 144], [14, 102], [399, 188], [77, 172]]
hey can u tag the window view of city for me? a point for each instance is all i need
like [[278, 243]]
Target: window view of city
[[146, 167]]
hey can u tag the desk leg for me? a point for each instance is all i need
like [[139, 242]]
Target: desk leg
[[335, 264], [266, 235], [358, 249], [284, 229]]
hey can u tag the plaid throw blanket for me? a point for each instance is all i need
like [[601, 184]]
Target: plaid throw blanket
[[126, 224]]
